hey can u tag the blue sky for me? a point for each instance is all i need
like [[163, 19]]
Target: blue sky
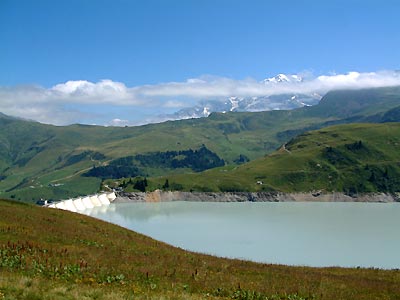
[[140, 43]]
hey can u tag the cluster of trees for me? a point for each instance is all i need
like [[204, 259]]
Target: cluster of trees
[[355, 146], [368, 178], [241, 159], [197, 160], [373, 178], [338, 157], [173, 186], [132, 166], [384, 178], [139, 183]]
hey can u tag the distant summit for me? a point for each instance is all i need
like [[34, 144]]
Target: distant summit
[[283, 78], [284, 101]]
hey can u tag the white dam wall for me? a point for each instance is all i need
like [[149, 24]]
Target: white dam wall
[[80, 204]]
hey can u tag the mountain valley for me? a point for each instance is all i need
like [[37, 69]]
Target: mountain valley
[[53, 162]]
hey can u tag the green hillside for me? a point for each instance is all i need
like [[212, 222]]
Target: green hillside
[[52, 254], [353, 158], [44, 161]]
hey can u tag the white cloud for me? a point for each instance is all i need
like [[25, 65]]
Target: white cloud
[[214, 87], [119, 122], [358, 80], [174, 104], [105, 91], [61, 104]]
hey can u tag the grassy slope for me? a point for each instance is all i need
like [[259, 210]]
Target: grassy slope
[[33, 155], [306, 164], [52, 254], [52, 146]]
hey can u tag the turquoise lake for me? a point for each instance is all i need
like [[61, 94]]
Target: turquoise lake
[[312, 234]]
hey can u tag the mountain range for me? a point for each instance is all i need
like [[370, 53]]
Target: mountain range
[[284, 101], [54, 162]]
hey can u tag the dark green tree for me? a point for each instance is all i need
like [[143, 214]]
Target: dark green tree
[[140, 184], [166, 184]]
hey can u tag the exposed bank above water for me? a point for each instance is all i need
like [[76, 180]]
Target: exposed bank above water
[[165, 196]]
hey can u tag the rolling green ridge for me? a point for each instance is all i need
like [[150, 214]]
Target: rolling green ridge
[[44, 161], [53, 254], [352, 158]]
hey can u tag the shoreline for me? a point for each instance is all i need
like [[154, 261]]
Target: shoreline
[[168, 196]]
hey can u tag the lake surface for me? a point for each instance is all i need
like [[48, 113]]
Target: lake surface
[[312, 234]]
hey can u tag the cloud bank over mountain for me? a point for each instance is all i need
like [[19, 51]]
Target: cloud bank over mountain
[[113, 103]]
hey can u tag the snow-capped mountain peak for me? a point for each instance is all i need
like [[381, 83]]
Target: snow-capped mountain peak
[[283, 78], [234, 102], [289, 100]]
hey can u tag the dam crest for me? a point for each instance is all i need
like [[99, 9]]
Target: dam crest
[[82, 203]]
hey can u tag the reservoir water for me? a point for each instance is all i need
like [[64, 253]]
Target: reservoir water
[[312, 234]]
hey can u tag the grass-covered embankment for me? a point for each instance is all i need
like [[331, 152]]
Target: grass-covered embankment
[[52, 254]]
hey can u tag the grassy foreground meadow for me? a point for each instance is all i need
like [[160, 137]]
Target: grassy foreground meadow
[[52, 254]]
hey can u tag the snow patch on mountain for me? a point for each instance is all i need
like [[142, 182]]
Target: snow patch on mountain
[[234, 103], [206, 112], [283, 78]]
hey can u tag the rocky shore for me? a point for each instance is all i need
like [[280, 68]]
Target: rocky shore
[[165, 196]]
